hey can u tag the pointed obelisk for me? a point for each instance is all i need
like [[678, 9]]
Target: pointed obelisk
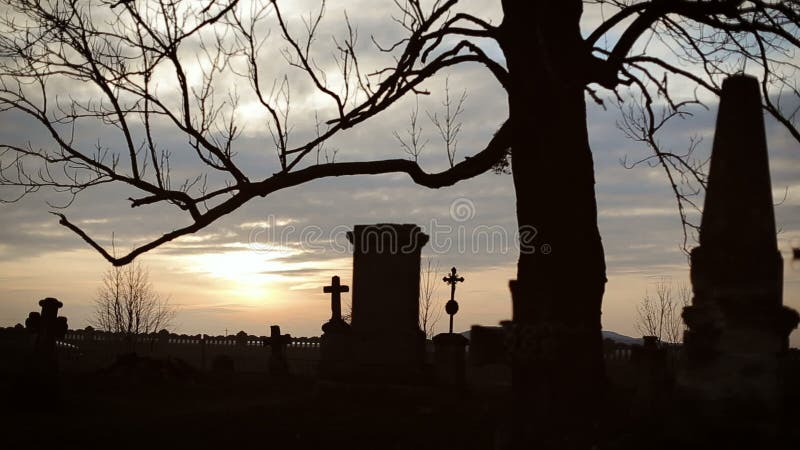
[[737, 325]]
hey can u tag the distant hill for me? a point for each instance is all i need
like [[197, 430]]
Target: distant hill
[[616, 337], [621, 338]]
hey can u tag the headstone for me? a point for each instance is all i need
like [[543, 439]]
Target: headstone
[[278, 365], [163, 339], [653, 382], [43, 366], [241, 339], [335, 289], [387, 339], [48, 327], [336, 341], [450, 359], [737, 324]]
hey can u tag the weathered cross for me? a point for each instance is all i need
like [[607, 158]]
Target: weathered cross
[[336, 289], [277, 355], [451, 307], [276, 340]]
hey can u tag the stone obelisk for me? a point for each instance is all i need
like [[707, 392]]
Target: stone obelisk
[[737, 324]]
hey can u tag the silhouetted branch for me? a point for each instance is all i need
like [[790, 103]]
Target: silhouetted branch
[[707, 41], [124, 60], [470, 167]]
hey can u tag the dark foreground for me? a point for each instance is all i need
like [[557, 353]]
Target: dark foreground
[[169, 407], [246, 410]]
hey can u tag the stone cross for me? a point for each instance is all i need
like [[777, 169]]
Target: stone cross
[[277, 358], [451, 307], [336, 289]]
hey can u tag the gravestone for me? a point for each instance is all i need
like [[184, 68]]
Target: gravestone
[[387, 340], [336, 341], [335, 289], [653, 381], [48, 327], [451, 307], [737, 324], [241, 338], [278, 365], [42, 368], [449, 357]]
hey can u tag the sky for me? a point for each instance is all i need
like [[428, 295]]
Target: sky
[[267, 262]]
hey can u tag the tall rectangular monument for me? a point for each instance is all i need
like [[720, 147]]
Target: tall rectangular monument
[[387, 339]]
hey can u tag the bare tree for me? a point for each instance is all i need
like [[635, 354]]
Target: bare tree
[[449, 126], [126, 303], [412, 143], [659, 314], [430, 308], [132, 61]]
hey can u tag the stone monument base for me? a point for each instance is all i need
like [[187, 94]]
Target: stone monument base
[[450, 359], [336, 348], [399, 360]]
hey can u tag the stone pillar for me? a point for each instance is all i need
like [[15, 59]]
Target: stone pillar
[[450, 359], [737, 325], [387, 340]]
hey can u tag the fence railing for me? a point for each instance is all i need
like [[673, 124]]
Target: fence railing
[[230, 341]]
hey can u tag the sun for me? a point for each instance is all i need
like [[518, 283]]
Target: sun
[[244, 274]]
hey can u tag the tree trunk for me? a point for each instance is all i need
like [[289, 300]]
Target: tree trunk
[[557, 359]]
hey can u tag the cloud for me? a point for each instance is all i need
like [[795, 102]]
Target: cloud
[[636, 208]]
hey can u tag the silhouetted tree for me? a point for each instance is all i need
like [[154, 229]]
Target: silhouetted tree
[[659, 314], [121, 50], [430, 309], [126, 303]]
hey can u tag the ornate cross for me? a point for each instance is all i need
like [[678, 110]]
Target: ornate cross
[[336, 289], [451, 307], [452, 280]]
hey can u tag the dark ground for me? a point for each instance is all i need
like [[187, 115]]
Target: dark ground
[[244, 410], [170, 405]]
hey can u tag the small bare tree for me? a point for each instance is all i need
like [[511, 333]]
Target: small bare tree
[[126, 303], [413, 144], [430, 310], [660, 315], [449, 126]]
